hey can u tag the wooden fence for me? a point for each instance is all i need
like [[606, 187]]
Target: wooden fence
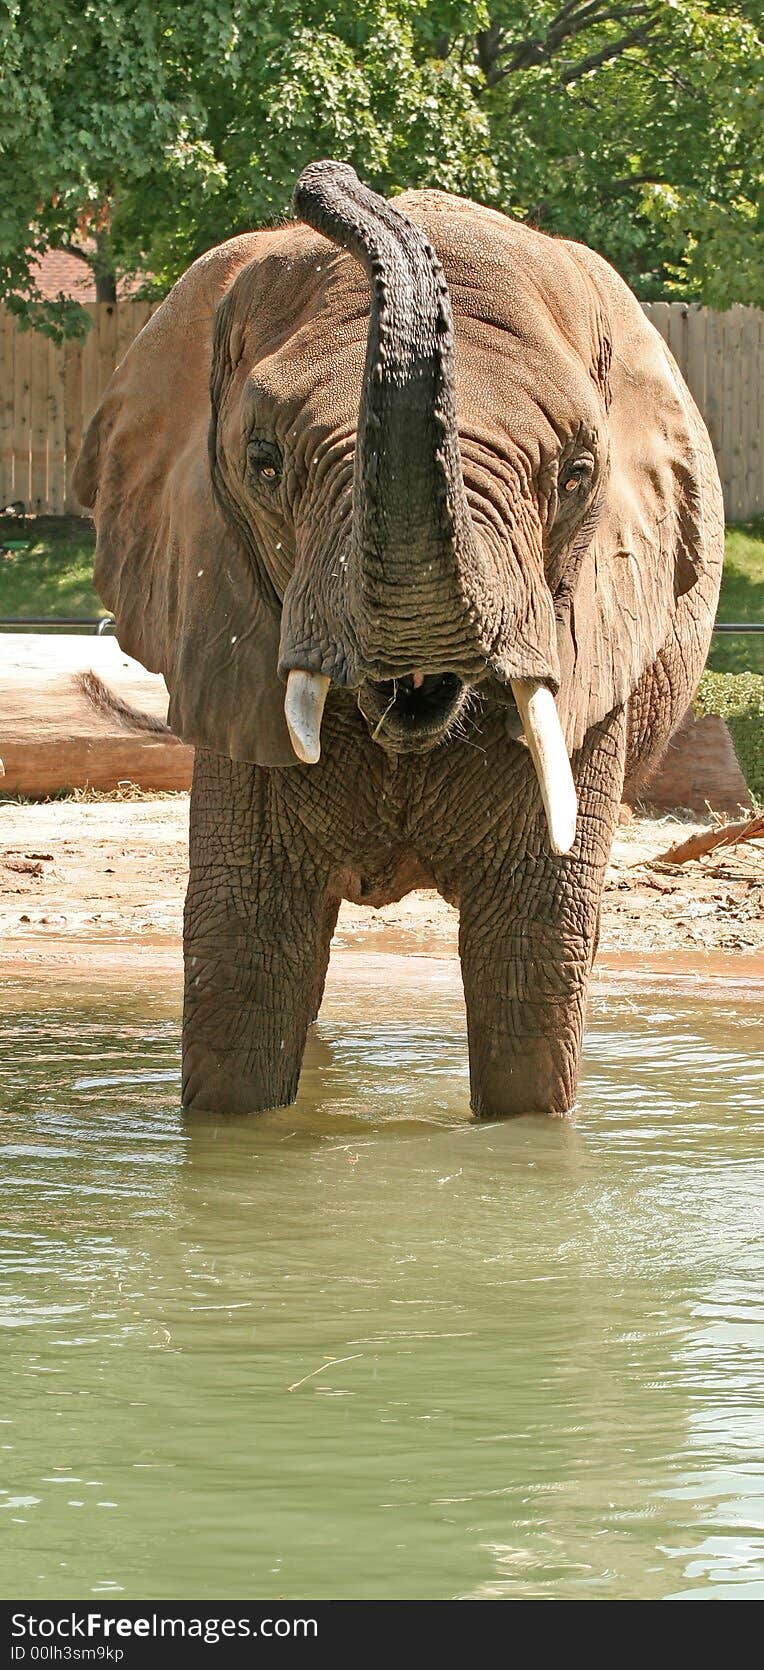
[[721, 357], [48, 393]]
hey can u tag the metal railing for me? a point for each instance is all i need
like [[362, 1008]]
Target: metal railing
[[100, 624]]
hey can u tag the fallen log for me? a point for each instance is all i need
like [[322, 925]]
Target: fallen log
[[725, 835], [76, 712]]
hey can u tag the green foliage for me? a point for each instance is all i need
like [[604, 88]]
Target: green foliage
[[738, 698], [651, 156], [742, 600], [46, 567], [154, 129]]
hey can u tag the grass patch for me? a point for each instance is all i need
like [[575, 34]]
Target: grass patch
[[46, 569], [742, 599]]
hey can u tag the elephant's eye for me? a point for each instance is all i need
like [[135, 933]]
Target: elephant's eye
[[263, 462], [575, 479]]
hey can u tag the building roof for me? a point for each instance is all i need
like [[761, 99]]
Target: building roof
[[59, 271]]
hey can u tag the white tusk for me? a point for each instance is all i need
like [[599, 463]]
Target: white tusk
[[536, 706], [303, 708]]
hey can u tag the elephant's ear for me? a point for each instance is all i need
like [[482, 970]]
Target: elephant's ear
[[187, 600], [647, 586]]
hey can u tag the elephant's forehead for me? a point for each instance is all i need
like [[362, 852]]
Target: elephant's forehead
[[508, 274], [528, 323], [523, 388], [308, 353]]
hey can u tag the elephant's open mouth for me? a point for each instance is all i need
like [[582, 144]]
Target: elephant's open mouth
[[414, 713]]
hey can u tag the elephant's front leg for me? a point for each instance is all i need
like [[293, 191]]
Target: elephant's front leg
[[258, 923], [528, 933]]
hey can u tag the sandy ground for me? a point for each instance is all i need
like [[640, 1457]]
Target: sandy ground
[[89, 887]]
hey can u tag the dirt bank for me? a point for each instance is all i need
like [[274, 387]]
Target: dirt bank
[[90, 886]]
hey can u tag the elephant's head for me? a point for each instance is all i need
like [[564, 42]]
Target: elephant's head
[[366, 494]]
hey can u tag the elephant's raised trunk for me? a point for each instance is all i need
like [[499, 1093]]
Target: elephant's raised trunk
[[423, 595], [415, 563]]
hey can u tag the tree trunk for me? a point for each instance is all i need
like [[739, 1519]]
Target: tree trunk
[[106, 285], [103, 271]]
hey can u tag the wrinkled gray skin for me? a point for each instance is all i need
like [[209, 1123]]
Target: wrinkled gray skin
[[490, 472]]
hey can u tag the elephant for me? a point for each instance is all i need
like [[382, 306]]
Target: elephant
[[409, 504]]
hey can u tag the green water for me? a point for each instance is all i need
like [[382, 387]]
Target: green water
[[530, 1354]]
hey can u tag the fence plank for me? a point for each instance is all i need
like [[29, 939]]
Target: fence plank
[[713, 410], [131, 318], [7, 340], [677, 333], [742, 399], [22, 373], [696, 354], [106, 345], [38, 423], [724, 374], [759, 426], [750, 411], [731, 399], [72, 417], [56, 431], [658, 313], [90, 367]]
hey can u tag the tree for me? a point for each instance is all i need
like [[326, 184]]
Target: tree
[[140, 132], [634, 127]]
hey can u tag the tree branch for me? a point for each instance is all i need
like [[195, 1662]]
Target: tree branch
[[488, 44], [592, 15], [499, 58], [728, 835], [616, 188], [81, 254], [616, 49]]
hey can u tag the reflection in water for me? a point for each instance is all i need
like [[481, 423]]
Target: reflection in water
[[364, 1347]]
